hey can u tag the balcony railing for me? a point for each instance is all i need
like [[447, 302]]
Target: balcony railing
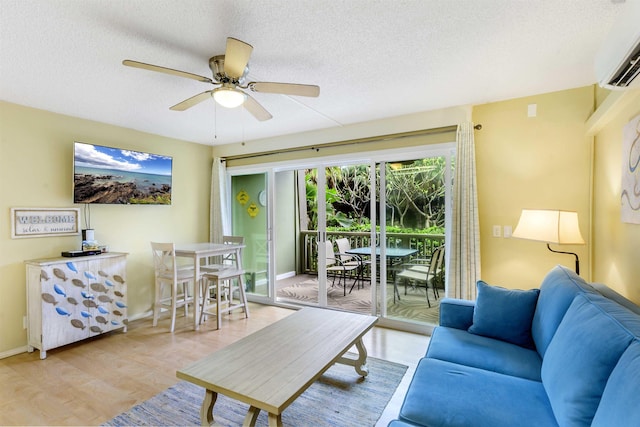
[[424, 243]]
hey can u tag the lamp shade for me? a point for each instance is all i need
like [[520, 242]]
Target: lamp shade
[[549, 226], [228, 97]]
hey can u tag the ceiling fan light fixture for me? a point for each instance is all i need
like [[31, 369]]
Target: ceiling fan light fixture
[[229, 97]]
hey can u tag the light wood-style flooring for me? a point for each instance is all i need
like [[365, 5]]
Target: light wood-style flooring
[[90, 382]]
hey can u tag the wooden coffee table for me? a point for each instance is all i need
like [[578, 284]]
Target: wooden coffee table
[[270, 368]]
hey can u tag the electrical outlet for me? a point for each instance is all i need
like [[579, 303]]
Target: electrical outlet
[[496, 231], [506, 231]]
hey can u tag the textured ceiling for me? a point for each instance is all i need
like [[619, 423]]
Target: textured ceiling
[[371, 58]]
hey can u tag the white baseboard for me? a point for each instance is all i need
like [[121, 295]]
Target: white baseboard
[[13, 352], [285, 275]]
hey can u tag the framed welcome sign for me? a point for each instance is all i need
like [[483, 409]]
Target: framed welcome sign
[[44, 222]]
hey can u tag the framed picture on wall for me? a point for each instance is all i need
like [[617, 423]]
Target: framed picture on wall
[[630, 198]]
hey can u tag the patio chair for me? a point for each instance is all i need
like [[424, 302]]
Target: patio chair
[[419, 273], [337, 267], [344, 246]]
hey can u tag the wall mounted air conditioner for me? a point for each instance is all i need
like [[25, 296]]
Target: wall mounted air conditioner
[[617, 64]]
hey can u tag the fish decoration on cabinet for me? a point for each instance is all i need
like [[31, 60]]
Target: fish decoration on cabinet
[[118, 279], [62, 312], [77, 324], [72, 300], [89, 275], [102, 273], [59, 274], [48, 298], [43, 275], [59, 290], [71, 266], [98, 287], [89, 303], [79, 283]]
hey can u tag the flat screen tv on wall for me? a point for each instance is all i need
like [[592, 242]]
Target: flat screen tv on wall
[[116, 176]]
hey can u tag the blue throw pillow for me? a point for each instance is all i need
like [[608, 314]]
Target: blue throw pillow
[[504, 314]]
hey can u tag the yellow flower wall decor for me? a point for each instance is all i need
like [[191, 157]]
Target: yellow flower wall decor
[[242, 197], [253, 210]]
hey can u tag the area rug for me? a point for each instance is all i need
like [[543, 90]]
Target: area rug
[[340, 397]]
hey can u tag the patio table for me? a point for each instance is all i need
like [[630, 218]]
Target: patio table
[[391, 254]]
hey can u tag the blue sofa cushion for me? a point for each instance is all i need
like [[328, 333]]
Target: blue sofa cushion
[[619, 404], [504, 314], [447, 394], [457, 346], [557, 291], [582, 355]]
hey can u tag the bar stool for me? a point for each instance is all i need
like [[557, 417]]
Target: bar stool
[[225, 261], [167, 273], [223, 283], [220, 281]]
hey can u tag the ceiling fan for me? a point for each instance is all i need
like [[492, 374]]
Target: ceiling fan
[[229, 72]]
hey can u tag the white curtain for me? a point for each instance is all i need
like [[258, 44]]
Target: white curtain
[[220, 223], [464, 255]]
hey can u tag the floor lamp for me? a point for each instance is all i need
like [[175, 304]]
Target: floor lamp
[[550, 226]]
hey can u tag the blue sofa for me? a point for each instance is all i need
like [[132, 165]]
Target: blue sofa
[[567, 354]]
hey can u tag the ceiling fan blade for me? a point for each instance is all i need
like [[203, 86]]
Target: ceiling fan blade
[[236, 57], [190, 102], [150, 67], [257, 110], [285, 88]]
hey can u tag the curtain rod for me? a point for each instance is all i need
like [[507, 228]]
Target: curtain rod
[[350, 142]]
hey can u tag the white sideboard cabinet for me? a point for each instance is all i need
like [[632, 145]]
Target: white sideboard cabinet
[[71, 299]]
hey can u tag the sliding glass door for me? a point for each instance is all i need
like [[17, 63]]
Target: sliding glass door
[[332, 204], [415, 214], [355, 235]]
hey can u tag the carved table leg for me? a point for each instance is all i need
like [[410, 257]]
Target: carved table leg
[[206, 411], [360, 364], [251, 417]]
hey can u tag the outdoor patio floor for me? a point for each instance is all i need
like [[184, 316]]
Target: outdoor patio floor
[[303, 290]]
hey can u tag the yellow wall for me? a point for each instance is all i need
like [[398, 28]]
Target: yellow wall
[[540, 162], [36, 170], [616, 244]]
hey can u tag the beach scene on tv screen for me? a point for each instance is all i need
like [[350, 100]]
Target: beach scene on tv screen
[[113, 175]]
